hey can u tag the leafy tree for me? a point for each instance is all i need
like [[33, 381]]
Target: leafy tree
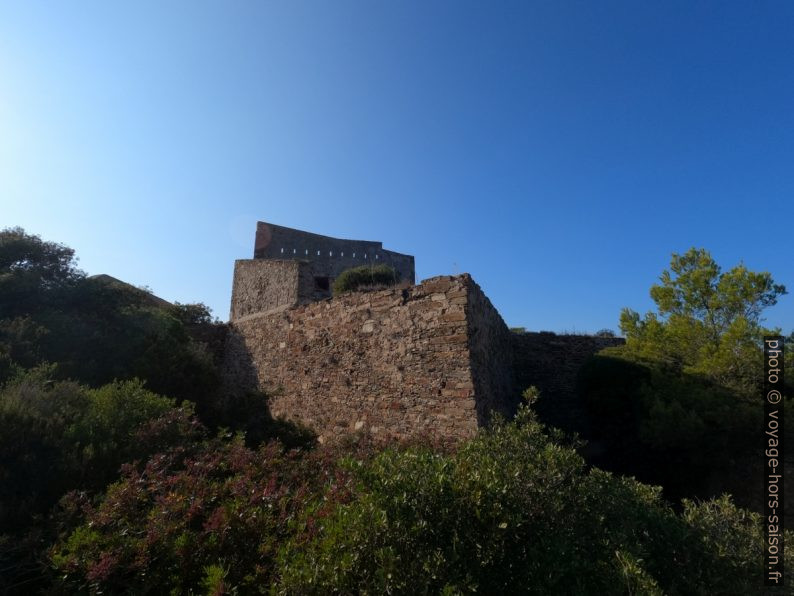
[[32, 271], [708, 321], [678, 404], [96, 329]]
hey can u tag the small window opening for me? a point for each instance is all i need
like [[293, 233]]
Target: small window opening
[[322, 283]]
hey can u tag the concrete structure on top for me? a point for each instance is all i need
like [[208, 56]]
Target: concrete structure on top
[[292, 267]]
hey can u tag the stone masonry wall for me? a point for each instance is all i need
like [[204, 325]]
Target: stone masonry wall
[[261, 285], [429, 360], [551, 362], [491, 353]]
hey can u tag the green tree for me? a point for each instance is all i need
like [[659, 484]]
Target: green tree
[[97, 330], [708, 322], [32, 271]]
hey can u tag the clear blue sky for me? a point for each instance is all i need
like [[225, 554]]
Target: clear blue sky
[[557, 151]]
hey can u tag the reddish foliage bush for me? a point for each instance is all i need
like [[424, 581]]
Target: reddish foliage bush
[[187, 518]]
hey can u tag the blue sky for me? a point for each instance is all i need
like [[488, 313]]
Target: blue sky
[[557, 151]]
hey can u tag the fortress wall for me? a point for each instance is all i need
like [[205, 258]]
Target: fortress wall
[[395, 363], [433, 359], [491, 354], [551, 362], [261, 285]]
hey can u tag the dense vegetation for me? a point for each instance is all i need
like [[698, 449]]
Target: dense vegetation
[[511, 510], [97, 331], [365, 277], [108, 486], [679, 404]]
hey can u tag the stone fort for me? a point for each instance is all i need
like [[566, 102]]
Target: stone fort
[[413, 360]]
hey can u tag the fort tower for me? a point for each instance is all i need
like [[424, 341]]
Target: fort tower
[[292, 267]]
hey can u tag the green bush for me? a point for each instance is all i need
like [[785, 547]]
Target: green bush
[[363, 277], [59, 436], [667, 427], [728, 543], [513, 511], [510, 511]]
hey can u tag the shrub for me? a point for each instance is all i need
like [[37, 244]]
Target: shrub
[[365, 277], [668, 427], [511, 510], [189, 521], [726, 546], [61, 436]]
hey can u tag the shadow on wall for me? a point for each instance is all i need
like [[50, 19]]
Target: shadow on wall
[[239, 373], [247, 408], [551, 363]]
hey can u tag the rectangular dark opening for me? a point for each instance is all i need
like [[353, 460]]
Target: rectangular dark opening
[[322, 283]]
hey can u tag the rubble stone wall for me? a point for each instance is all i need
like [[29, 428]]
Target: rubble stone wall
[[435, 359], [261, 285], [395, 363]]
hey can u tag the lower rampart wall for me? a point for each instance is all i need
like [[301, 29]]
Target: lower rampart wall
[[395, 363], [551, 363]]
